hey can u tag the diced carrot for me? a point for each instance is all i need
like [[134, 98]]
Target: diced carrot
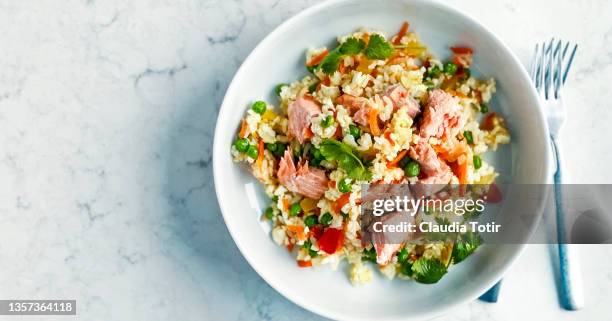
[[331, 184], [342, 67], [388, 137], [341, 201], [488, 123], [460, 169], [298, 230], [260, 153], [302, 264], [397, 159], [290, 247], [317, 59], [285, 204], [373, 121], [309, 133], [462, 50], [458, 94], [243, 129], [402, 32], [366, 38]]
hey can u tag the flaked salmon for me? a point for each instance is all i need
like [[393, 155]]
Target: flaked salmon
[[310, 182]]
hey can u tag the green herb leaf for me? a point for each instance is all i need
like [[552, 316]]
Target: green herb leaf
[[351, 46], [465, 245], [334, 150], [331, 62], [428, 271], [378, 48]]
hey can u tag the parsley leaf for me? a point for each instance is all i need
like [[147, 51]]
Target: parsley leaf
[[378, 48], [331, 62], [334, 150], [428, 271], [465, 245], [351, 46]]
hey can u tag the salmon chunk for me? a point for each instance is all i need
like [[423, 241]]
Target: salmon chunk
[[401, 99], [436, 171], [442, 117], [358, 107], [310, 182], [300, 113]]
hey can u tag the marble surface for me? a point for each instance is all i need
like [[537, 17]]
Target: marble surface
[[107, 112]]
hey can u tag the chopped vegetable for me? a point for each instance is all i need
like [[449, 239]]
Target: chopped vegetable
[[310, 220], [433, 71], [326, 219], [344, 186], [450, 68], [298, 230], [428, 271], [302, 263], [260, 153], [277, 149], [351, 46], [259, 107], [308, 204], [402, 255], [331, 240], [397, 158], [341, 201], [241, 144], [252, 152], [477, 162], [354, 131], [279, 88], [402, 32], [412, 169], [484, 108], [295, 209], [462, 50], [469, 138], [269, 213], [373, 121], [334, 150], [328, 121], [318, 58], [465, 245], [378, 48]]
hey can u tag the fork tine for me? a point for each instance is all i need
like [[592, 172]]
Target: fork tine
[[569, 63]]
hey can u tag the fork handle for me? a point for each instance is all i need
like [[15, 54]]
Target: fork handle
[[571, 291]]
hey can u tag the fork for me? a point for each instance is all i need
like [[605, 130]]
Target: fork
[[549, 69]]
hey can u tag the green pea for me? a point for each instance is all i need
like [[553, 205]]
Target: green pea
[[295, 209], [279, 88], [326, 219], [269, 213], [433, 72], [402, 255], [344, 186], [412, 169], [241, 145], [450, 68], [275, 198], [277, 149], [354, 131], [477, 162], [328, 121], [252, 152], [311, 220], [469, 138], [259, 107], [484, 108]]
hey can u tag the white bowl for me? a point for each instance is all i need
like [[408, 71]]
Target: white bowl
[[280, 58]]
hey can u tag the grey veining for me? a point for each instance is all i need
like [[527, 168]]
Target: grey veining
[[107, 114]]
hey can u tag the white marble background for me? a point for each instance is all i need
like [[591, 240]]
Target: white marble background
[[107, 111]]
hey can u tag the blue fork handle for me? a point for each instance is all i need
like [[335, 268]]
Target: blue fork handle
[[570, 290], [492, 294]]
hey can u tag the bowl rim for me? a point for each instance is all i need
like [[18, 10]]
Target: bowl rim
[[305, 13]]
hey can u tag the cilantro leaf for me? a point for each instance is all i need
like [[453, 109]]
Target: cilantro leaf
[[331, 62], [378, 48], [428, 271], [334, 150], [465, 245], [351, 46]]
